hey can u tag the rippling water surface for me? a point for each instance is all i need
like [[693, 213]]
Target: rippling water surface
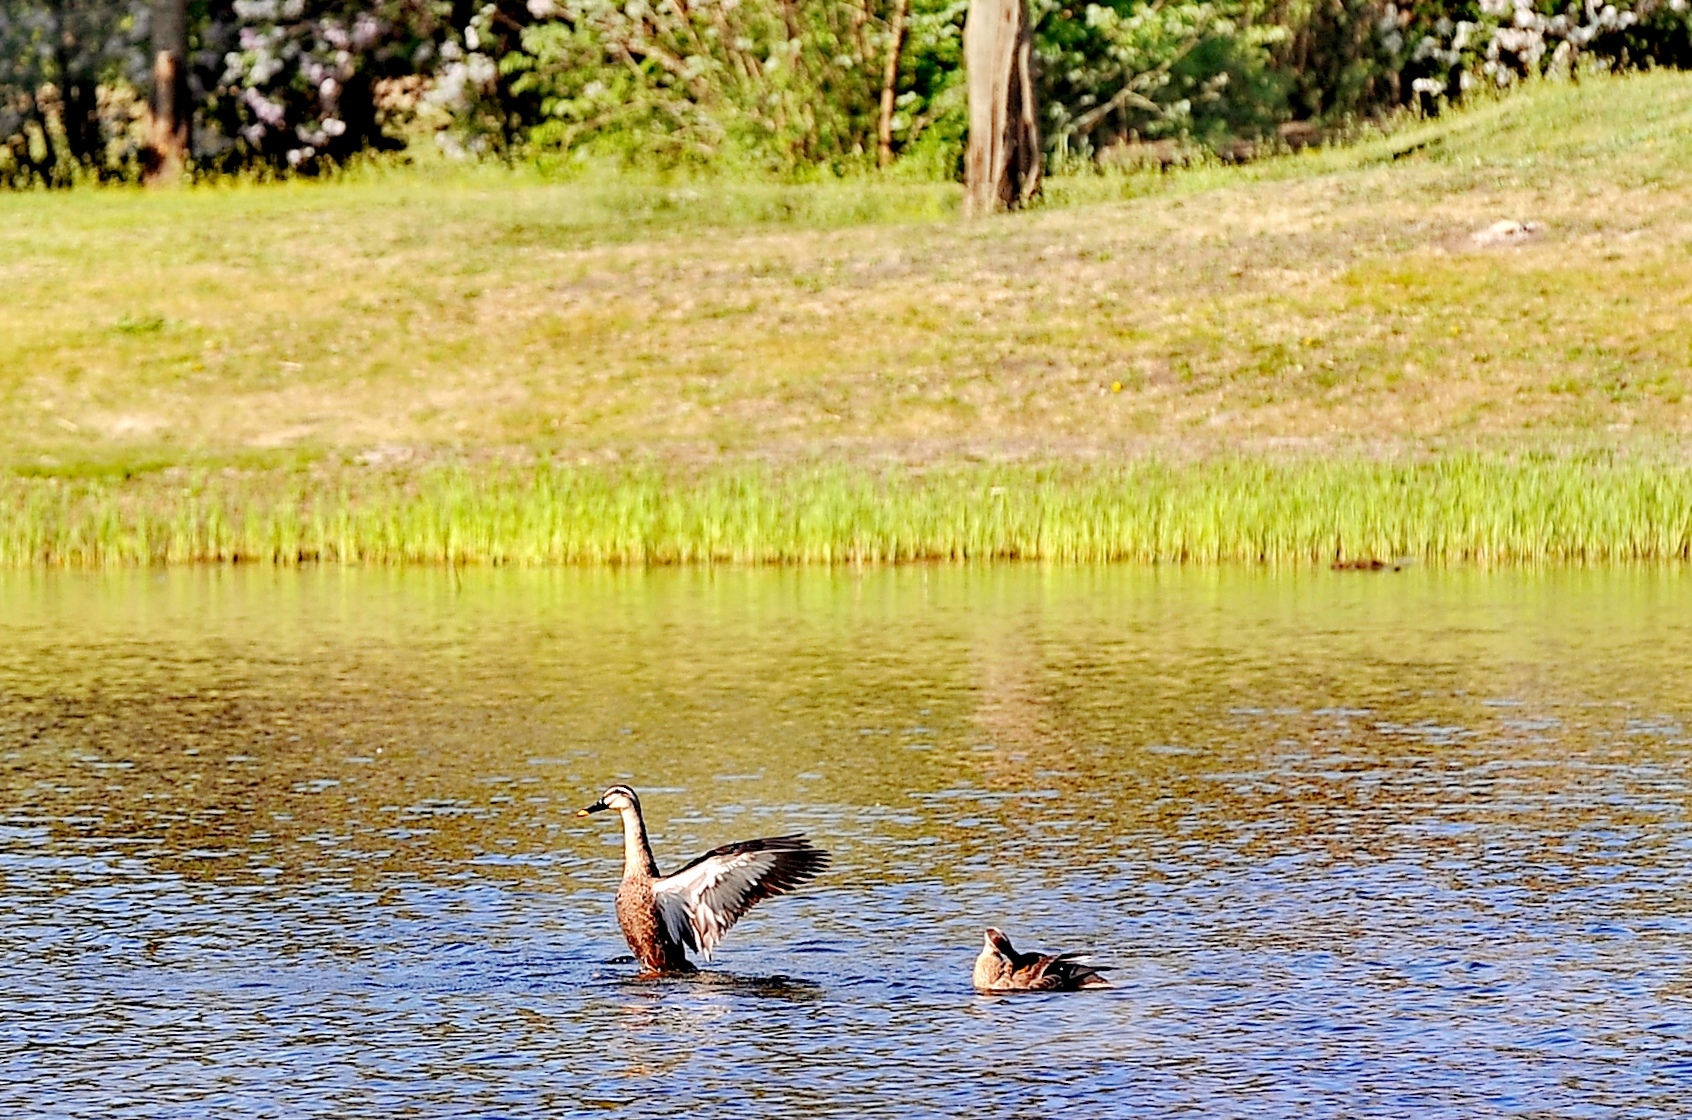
[[300, 844]]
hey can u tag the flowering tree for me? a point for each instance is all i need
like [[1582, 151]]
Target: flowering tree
[[1443, 50], [300, 84]]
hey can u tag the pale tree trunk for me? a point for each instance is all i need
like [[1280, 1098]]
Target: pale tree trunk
[[890, 80], [1002, 166], [169, 111]]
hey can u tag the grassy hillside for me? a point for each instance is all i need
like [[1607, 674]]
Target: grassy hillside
[[1331, 308]]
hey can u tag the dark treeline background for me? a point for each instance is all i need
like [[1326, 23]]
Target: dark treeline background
[[281, 86]]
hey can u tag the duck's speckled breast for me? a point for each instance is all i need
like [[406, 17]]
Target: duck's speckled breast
[[637, 913]]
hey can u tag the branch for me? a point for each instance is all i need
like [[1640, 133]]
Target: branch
[[1127, 95]]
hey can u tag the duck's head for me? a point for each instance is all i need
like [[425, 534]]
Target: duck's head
[[617, 797], [993, 941]]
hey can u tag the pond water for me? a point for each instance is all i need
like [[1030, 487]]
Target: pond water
[[301, 844]]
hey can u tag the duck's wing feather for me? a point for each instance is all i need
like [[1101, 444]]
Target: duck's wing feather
[[1065, 972], [702, 901]]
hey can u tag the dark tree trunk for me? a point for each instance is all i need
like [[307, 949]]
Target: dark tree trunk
[[82, 121], [167, 139], [1002, 166], [72, 102]]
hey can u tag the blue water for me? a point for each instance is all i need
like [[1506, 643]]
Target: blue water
[[301, 844]]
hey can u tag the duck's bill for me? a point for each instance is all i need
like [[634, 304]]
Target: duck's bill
[[594, 808]]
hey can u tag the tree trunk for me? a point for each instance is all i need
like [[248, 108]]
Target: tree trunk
[[78, 109], [82, 120], [889, 83], [1002, 166], [167, 128]]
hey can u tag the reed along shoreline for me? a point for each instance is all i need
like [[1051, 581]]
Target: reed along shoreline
[[1484, 509]]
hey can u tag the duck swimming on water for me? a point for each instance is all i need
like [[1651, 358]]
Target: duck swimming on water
[[1000, 968], [663, 916]]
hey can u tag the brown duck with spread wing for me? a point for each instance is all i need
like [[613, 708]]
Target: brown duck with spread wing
[[1000, 968], [664, 916]]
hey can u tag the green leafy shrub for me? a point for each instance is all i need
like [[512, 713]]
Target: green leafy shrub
[[796, 84], [1129, 69], [781, 85]]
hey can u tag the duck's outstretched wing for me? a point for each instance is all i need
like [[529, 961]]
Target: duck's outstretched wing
[[1066, 972], [703, 900]]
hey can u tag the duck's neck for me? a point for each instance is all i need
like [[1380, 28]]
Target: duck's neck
[[637, 850]]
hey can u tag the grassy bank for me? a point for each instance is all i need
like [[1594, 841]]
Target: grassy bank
[[1206, 364], [1331, 300], [1454, 509]]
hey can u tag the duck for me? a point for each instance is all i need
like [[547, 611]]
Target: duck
[[1000, 968], [663, 917]]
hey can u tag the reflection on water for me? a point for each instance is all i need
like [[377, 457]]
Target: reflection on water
[[300, 843]]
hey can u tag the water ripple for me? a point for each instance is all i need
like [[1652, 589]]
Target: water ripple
[[298, 845]]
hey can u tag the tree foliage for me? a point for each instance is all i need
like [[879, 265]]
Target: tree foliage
[[793, 83], [276, 84], [68, 69], [294, 86]]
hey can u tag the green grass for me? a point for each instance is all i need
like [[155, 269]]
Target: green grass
[[1216, 363], [1333, 299], [1455, 509]]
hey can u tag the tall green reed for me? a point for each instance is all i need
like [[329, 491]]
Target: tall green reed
[[1457, 509]]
